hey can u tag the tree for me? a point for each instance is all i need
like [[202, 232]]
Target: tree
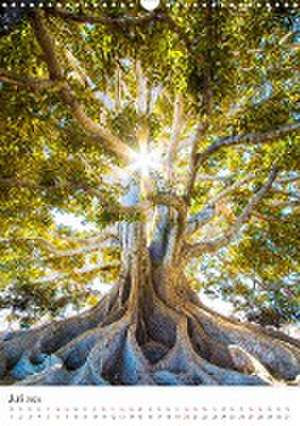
[[175, 134]]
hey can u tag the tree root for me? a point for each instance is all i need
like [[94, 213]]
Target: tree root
[[35, 344], [150, 343], [280, 357]]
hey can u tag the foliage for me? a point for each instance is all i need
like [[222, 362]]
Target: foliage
[[50, 166]]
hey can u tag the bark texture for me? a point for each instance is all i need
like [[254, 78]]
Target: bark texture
[[150, 329]]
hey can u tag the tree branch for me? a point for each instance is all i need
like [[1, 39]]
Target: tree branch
[[213, 245], [214, 178], [33, 84], [116, 209], [175, 134], [143, 132], [270, 218], [82, 186], [92, 245], [27, 183], [200, 219], [289, 179], [142, 91], [245, 215], [249, 138], [289, 194], [176, 202], [82, 271], [103, 20], [117, 22], [193, 166], [169, 200], [85, 80], [109, 141]]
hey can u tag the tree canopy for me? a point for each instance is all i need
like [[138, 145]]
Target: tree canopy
[[219, 114], [222, 86]]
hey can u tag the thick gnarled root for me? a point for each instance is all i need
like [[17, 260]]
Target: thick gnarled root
[[27, 352], [219, 335], [150, 344], [184, 364], [114, 357]]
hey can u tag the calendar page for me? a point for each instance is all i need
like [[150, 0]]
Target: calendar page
[[149, 212]]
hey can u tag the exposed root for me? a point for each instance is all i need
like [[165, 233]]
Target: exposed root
[[208, 347], [280, 357], [75, 353], [195, 300], [181, 359], [184, 362], [99, 366], [134, 366], [35, 344], [248, 364], [149, 343]]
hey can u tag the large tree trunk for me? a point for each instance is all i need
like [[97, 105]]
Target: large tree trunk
[[150, 329]]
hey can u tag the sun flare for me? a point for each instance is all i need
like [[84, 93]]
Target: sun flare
[[146, 161]]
